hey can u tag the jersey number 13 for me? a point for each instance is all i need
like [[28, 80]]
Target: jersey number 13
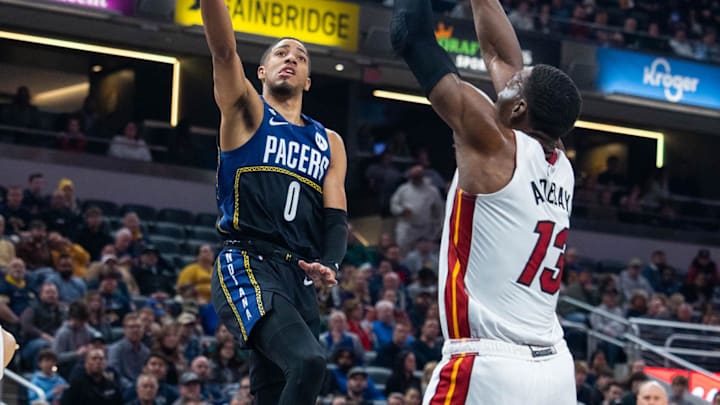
[[550, 278]]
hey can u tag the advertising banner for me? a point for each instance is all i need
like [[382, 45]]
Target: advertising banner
[[122, 6], [458, 38], [658, 78], [318, 22]]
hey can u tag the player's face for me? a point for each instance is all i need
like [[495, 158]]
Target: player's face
[[511, 104], [286, 70]]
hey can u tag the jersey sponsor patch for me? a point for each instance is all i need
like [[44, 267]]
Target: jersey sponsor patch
[[322, 144]]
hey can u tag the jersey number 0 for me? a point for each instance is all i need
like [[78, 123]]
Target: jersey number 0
[[291, 202], [549, 278]]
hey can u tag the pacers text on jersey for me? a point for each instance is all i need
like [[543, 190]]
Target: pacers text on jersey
[[297, 157], [295, 17], [549, 193]]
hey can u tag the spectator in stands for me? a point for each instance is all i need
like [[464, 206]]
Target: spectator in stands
[[34, 198], [73, 139], [652, 393], [96, 314], [226, 365], [189, 388], [697, 293], [383, 178], [388, 352], [630, 280], [154, 279], [607, 326], [338, 336], [95, 384], [583, 390], [167, 343], [131, 221], [424, 255], [196, 277], [47, 379], [7, 247], [89, 117], [638, 305], [679, 391], [200, 365], [59, 217], [189, 336], [336, 378], [354, 314], [598, 367], [680, 45], [358, 389], [374, 284], [702, 263], [147, 390], [39, 322], [122, 244], [393, 254], [35, 251], [653, 270], [15, 295], [128, 355], [157, 366], [581, 289], [129, 145], [520, 17], [422, 157], [93, 234], [383, 327], [633, 387], [243, 395], [73, 338], [115, 303], [21, 112], [578, 28], [427, 347], [61, 246], [613, 394], [17, 217], [70, 288], [395, 398], [708, 49], [685, 313], [402, 376], [667, 283], [148, 315], [602, 381], [68, 189], [412, 396], [391, 283], [418, 207], [425, 283]]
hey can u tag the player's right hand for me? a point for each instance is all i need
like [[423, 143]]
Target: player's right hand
[[320, 275]]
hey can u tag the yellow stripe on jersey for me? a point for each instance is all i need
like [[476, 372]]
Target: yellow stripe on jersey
[[256, 286], [230, 301], [271, 169]]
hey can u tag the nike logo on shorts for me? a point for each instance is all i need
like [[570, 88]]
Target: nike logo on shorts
[[307, 282], [276, 123]]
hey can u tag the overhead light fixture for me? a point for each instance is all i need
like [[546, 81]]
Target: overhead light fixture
[[659, 137], [97, 68], [339, 67], [106, 50]]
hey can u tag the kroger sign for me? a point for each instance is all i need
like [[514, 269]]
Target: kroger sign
[[659, 78]]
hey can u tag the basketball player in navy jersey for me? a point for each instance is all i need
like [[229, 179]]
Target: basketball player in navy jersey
[[282, 203]]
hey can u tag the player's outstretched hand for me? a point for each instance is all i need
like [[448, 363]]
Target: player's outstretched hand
[[319, 274]]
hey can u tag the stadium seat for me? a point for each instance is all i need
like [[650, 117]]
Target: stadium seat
[[379, 375], [166, 245], [209, 235], [145, 212], [206, 219], [176, 215], [167, 229], [370, 356], [109, 208]]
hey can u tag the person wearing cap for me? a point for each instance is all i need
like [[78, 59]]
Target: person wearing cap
[[189, 343], [96, 384], [357, 387], [94, 233], [189, 384], [702, 263], [67, 187], [154, 278], [630, 280]]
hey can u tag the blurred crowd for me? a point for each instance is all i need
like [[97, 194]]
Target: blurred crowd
[[104, 312]]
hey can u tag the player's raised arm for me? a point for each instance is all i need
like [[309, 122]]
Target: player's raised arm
[[467, 110], [239, 103], [500, 47]]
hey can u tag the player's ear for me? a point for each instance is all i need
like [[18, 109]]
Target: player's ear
[[519, 109], [307, 84], [261, 72]]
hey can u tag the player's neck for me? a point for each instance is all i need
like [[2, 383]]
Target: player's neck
[[546, 141], [290, 107]]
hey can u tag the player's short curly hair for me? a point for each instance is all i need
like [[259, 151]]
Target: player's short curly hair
[[553, 100]]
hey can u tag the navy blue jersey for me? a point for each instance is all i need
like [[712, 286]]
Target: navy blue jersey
[[271, 187]]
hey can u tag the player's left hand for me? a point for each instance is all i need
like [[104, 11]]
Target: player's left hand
[[320, 275]]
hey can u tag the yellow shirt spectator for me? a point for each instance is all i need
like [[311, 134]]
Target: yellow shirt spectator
[[194, 279], [80, 257]]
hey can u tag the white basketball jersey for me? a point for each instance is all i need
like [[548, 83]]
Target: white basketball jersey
[[501, 255]]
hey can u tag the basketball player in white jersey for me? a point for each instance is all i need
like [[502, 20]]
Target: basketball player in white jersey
[[507, 215]]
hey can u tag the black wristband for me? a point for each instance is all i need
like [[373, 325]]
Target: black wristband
[[335, 238]]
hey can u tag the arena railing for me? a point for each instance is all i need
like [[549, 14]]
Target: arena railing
[[42, 400]]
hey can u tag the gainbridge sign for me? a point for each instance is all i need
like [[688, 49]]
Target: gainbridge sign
[[458, 38], [318, 22]]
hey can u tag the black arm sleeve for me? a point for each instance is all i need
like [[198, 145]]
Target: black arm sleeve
[[335, 238], [413, 38]]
